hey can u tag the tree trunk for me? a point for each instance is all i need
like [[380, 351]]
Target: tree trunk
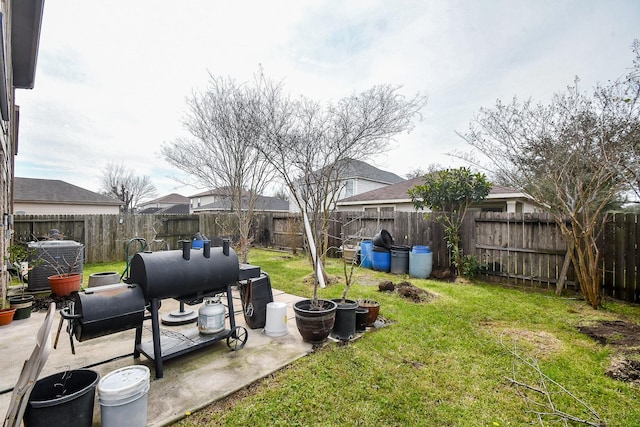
[[563, 272]]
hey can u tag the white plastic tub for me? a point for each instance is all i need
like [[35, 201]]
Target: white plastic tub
[[276, 323], [123, 396]]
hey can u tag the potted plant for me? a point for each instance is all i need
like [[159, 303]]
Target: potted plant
[[345, 325], [373, 309], [67, 267], [314, 317], [19, 259]]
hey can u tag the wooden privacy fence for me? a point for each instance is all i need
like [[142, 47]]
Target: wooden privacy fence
[[105, 236], [527, 249], [621, 257]]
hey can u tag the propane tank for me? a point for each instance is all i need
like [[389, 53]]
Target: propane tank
[[211, 316]]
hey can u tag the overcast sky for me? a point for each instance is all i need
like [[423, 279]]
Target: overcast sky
[[112, 76]]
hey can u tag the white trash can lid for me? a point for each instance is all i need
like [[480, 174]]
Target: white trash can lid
[[124, 382]]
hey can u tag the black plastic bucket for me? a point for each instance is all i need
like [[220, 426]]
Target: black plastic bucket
[[344, 328], [383, 239], [63, 399], [361, 319]]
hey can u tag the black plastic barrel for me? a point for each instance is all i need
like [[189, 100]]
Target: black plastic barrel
[[63, 399], [399, 259]]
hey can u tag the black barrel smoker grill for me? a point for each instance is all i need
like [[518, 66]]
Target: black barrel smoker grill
[[187, 275]]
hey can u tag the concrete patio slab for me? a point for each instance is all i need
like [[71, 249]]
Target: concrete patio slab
[[190, 381]]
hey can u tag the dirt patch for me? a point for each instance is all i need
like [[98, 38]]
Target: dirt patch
[[543, 343], [407, 290], [625, 337], [624, 369], [444, 274], [42, 302], [332, 279], [617, 333]]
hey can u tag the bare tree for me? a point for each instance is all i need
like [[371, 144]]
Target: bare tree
[[310, 145], [568, 156], [418, 172], [121, 183], [221, 153]]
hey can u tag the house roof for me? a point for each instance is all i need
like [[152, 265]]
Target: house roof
[[178, 208], [398, 193], [221, 191], [360, 169], [263, 203], [173, 198], [55, 191]]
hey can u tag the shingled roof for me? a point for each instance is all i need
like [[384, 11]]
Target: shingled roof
[[359, 169], [263, 203], [173, 198], [398, 192], [56, 191]]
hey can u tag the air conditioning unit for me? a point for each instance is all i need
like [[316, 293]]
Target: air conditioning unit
[[46, 253]]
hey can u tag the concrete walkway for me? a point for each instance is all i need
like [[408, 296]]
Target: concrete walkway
[[190, 382]]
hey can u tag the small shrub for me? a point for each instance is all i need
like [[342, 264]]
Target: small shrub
[[470, 266]]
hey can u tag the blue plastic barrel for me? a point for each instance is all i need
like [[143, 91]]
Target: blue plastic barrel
[[366, 254], [381, 259], [420, 262]]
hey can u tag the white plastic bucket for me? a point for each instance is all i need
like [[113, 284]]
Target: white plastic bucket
[[276, 323], [123, 396]]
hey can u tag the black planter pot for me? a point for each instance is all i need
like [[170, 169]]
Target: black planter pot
[[315, 323], [23, 305], [361, 319], [344, 327], [63, 399]]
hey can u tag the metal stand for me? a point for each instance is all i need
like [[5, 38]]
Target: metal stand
[[165, 347], [179, 317]]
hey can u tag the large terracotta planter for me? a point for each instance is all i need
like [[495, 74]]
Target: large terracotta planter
[[63, 284], [6, 316]]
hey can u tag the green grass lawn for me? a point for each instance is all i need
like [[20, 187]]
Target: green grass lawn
[[444, 362]]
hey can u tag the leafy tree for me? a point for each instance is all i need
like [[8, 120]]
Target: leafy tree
[[448, 194], [121, 183], [573, 156]]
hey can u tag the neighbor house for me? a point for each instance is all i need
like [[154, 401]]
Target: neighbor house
[[219, 200], [262, 204], [34, 196], [394, 198], [170, 204], [357, 177]]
